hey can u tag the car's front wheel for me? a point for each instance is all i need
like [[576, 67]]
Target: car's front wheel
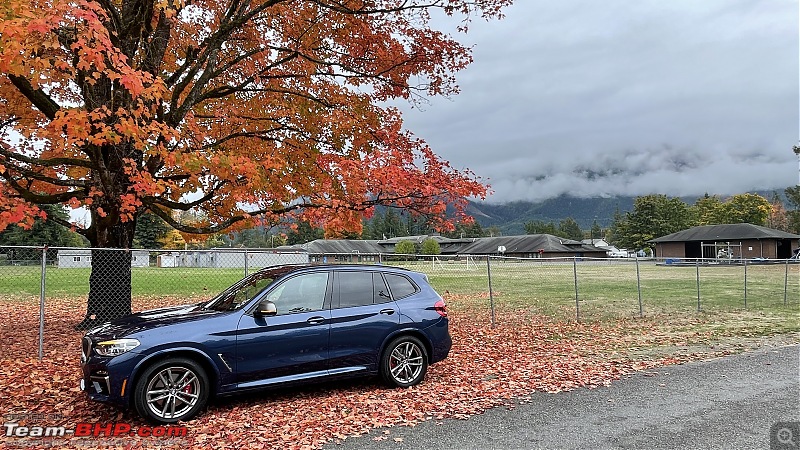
[[171, 390], [405, 362]]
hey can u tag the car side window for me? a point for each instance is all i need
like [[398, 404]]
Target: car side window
[[400, 286], [301, 293], [238, 295], [380, 291], [355, 288]]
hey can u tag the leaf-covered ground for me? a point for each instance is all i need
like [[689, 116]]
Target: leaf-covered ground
[[487, 367]]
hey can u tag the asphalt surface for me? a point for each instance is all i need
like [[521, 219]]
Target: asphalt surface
[[730, 403]]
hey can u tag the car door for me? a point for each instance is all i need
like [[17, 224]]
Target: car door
[[293, 344], [362, 316]]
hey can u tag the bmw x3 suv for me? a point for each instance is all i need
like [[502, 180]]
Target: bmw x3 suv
[[279, 326]]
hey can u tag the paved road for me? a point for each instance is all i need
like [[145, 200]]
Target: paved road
[[726, 403]]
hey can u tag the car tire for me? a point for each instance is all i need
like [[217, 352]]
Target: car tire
[[171, 390], [404, 362]]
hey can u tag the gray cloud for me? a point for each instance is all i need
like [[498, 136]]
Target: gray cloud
[[625, 98]]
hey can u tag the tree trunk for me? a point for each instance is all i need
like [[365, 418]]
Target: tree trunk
[[110, 278]]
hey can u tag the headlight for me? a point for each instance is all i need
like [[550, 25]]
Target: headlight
[[115, 347]]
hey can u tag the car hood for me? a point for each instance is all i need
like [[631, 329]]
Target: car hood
[[147, 320]]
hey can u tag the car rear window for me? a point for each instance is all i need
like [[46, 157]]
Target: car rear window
[[400, 285]]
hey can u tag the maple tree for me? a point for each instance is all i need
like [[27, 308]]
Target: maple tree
[[245, 111]]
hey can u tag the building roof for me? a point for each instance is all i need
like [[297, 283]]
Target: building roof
[[597, 242], [342, 246], [529, 243], [729, 232], [333, 246]]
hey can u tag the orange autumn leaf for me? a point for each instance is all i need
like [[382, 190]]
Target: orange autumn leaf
[[262, 112]]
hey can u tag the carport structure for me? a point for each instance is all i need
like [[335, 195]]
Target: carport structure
[[739, 241]]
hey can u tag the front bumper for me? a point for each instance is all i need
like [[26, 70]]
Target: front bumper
[[106, 379]]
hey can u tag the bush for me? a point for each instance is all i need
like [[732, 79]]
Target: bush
[[431, 247], [405, 248]]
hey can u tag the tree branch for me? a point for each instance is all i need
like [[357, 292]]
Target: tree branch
[[40, 100]]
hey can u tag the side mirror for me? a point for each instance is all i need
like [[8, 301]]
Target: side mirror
[[266, 308]]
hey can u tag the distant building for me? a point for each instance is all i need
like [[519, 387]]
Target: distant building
[[357, 250], [231, 258], [78, 257], [596, 242], [611, 250], [532, 246], [732, 241], [526, 246]]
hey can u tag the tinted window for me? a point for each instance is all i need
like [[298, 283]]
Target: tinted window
[[400, 285], [355, 288], [381, 292], [301, 293]]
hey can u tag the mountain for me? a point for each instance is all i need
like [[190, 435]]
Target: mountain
[[511, 217]]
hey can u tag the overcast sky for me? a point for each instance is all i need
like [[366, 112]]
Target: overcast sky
[[628, 97]]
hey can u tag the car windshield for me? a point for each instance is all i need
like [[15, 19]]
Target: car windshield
[[240, 293]]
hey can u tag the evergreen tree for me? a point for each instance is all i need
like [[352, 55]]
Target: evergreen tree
[[569, 228], [393, 226], [150, 231], [44, 231], [304, 233], [793, 216], [540, 227], [595, 232], [652, 216]]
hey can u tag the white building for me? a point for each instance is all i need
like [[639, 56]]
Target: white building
[[80, 257], [231, 258]]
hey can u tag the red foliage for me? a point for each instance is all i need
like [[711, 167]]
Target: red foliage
[[488, 367]]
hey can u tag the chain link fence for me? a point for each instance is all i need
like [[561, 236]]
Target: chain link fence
[[44, 292]]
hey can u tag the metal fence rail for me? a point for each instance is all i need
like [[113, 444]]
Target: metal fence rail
[[41, 287]]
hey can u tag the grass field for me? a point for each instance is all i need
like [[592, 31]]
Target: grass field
[[605, 289], [609, 290]]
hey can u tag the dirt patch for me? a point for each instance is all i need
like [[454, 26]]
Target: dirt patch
[[719, 346]]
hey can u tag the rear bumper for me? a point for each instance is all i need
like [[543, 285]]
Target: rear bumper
[[441, 342]]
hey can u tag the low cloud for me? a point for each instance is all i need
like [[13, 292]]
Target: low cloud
[[625, 98]]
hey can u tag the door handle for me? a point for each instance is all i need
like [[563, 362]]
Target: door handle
[[387, 311], [316, 320]]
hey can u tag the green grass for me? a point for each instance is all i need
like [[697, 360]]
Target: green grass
[[609, 289], [151, 281], [606, 289]]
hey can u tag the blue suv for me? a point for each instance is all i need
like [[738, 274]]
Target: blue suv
[[281, 325]]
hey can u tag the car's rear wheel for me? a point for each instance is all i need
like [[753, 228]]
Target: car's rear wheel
[[405, 362], [171, 390]]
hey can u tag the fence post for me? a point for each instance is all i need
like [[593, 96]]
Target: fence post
[[745, 283], [491, 295], [575, 275], [246, 271], [639, 286], [786, 283], [697, 269], [41, 302]]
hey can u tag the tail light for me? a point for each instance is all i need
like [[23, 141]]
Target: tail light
[[441, 308]]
